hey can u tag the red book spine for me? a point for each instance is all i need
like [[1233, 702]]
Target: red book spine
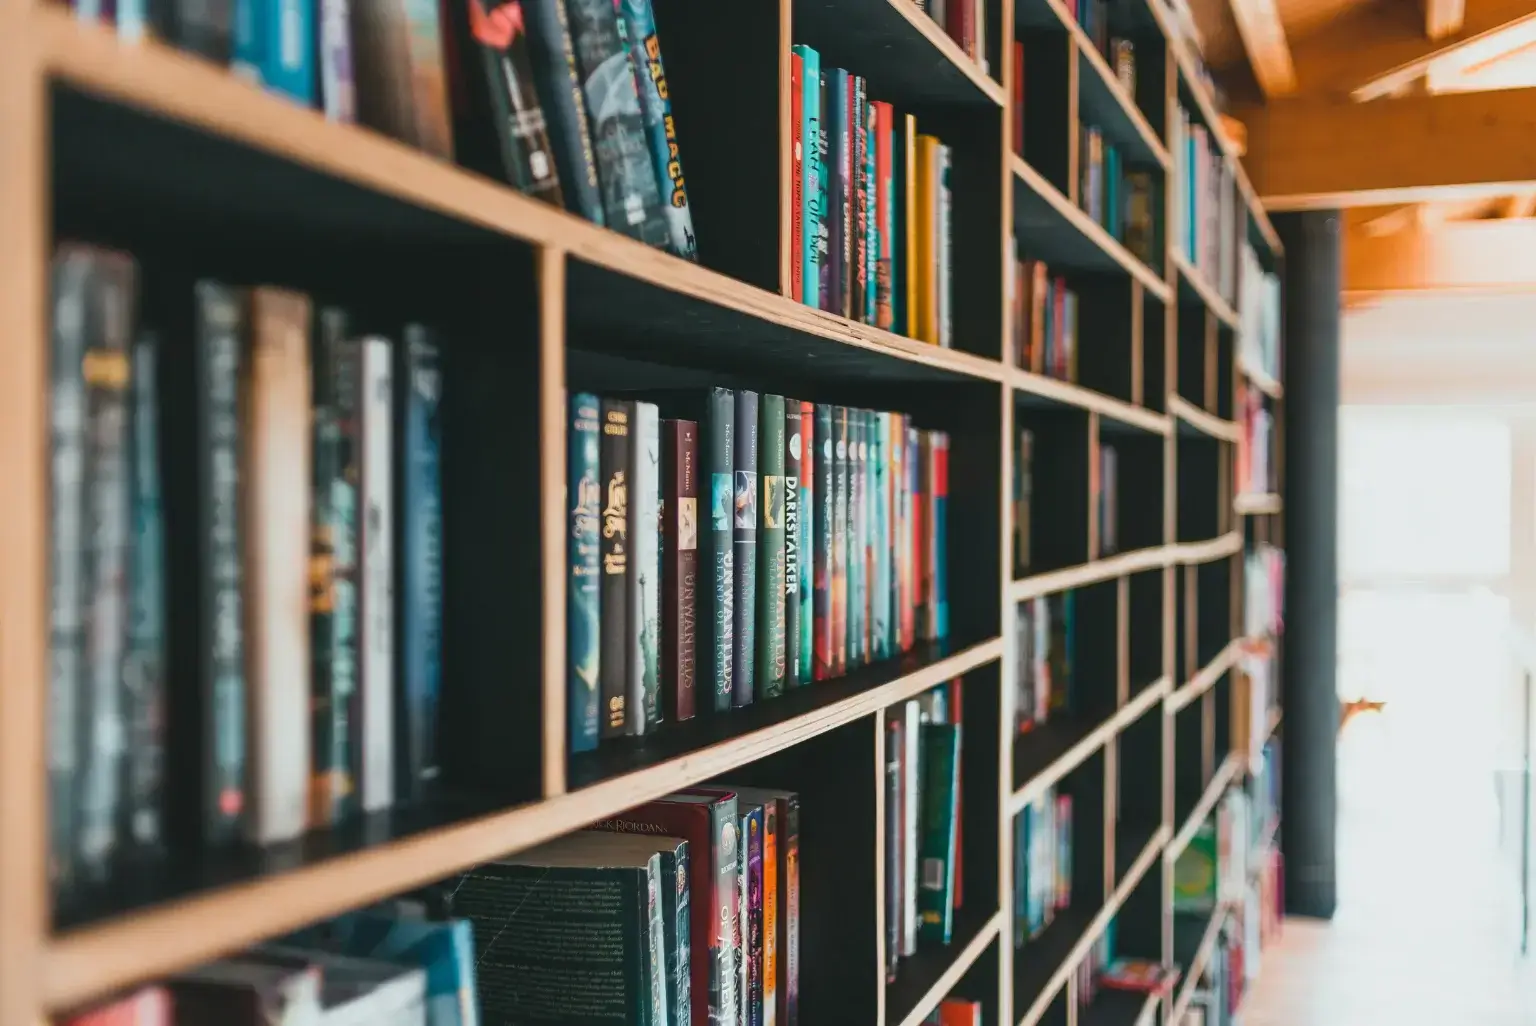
[[1059, 329], [920, 514], [884, 214], [680, 568], [1018, 98], [797, 180]]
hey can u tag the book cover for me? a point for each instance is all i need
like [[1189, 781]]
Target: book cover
[[376, 573], [895, 498], [956, 1012], [656, 107], [840, 639], [885, 214], [420, 502], [632, 201], [792, 542], [614, 594], [940, 762], [717, 655], [853, 540], [203, 28], [858, 253], [749, 878], [338, 91], [333, 598], [916, 540], [274, 46], [399, 71], [553, 57], [276, 489], [770, 653], [810, 174], [805, 600], [796, 174], [644, 620], [825, 280], [824, 556], [744, 537], [880, 541], [583, 616], [837, 167], [680, 567]]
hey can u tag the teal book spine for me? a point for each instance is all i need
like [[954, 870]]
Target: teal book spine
[[822, 551], [940, 759], [744, 535], [858, 605], [770, 548], [809, 467], [676, 907], [716, 651], [583, 615], [873, 241], [811, 194], [880, 539], [658, 991], [840, 420]]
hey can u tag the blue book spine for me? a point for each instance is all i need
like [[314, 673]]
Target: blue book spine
[[880, 540], [144, 666], [656, 106], [811, 196], [248, 42], [290, 50], [583, 615], [744, 541], [421, 516], [839, 155]]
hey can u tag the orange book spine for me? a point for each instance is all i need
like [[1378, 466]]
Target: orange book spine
[[926, 267]]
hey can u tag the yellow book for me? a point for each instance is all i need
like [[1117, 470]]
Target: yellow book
[[925, 321], [909, 220]]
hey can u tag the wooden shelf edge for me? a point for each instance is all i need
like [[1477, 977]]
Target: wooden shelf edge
[[957, 968], [935, 34], [1208, 294], [183, 88], [1138, 869], [1213, 792], [1052, 581], [1207, 676], [1262, 381], [84, 964], [1229, 544], [1196, 966], [1206, 423], [1089, 228], [1249, 505], [1087, 399], [1078, 754]]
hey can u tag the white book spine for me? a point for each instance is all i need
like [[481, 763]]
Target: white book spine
[[944, 246], [375, 534], [277, 526], [911, 738], [645, 581]]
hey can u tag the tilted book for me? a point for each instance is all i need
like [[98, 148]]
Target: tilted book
[[399, 70], [661, 129], [553, 57]]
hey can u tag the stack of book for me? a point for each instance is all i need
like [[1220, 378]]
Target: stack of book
[[1204, 205], [823, 552], [1023, 493], [1259, 313], [245, 580], [1043, 637], [1042, 864], [871, 226], [1104, 486], [965, 22], [565, 100], [924, 882], [955, 1012], [1044, 319]]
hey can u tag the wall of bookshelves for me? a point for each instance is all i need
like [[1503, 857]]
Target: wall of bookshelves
[[1133, 484]]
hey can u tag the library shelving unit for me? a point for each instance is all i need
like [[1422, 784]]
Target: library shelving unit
[[145, 147]]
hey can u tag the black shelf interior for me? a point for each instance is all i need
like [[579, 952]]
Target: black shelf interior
[[1135, 503], [1113, 1008], [1198, 467], [1214, 608], [1189, 762], [1104, 314], [1058, 474], [1147, 591], [919, 973], [1140, 782]]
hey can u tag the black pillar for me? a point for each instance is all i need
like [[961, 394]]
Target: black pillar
[[1313, 277]]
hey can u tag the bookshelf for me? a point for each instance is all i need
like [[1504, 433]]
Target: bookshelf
[[105, 138]]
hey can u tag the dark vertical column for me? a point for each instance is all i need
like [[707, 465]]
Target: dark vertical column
[[1308, 752]]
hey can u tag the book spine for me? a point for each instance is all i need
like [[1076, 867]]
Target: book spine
[[840, 541], [205, 29], [276, 489], [911, 803], [938, 607], [376, 571], [796, 174], [288, 64], [398, 61], [613, 596], [836, 169], [880, 540], [792, 542], [770, 548], [560, 89], [872, 222], [745, 540], [771, 914], [752, 918], [338, 91], [893, 844], [898, 553], [644, 621], [725, 917], [853, 537], [661, 129], [719, 476], [680, 567], [144, 667], [926, 266], [583, 617], [885, 216], [658, 985], [910, 277], [859, 253], [677, 908], [421, 553], [805, 600], [944, 246], [631, 193], [911, 542], [848, 191], [522, 135], [822, 617], [789, 877], [825, 279], [809, 175], [867, 531], [941, 788], [741, 925]]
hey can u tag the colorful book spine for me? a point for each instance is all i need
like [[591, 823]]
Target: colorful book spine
[[717, 653], [661, 129], [915, 541], [275, 489], [745, 540], [144, 663], [338, 93], [680, 567], [273, 46], [583, 617], [677, 911], [518, 148], [872, 222], [839, 163], [894, 751], [938, 604], [941, 789], [770, 548], [867, 532], [911, 806], [825, 279], [793, 558], [805, 600], [840, 542], [925, 265], [750, 886], [880, 538], [770, 913], [421, 571], [402, 83], [810, 173], [644, 621], [898, 552], [560, 88], [797, 158], [822, 617], [853, 539], [909, 278], [613, 596], [858, 254], [376, 572], [943, 246], [885, 215]]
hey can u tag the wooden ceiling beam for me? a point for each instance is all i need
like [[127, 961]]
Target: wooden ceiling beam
[[1322, 154], [1269, 54], [1443, 18], [1520, 205], [1458, 257]]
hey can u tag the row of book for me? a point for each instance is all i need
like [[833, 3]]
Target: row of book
[[1217, 995], [1045, 314], [871, 206], [1118, 51], [1123, 201], [1258, 346], [1104, 487], [1023, 495], [685, 909], [1264, 591], [1205, 205], [1255, 444], [1042, 864], [565, 100], [965, 21], [245, 578], [823, 551], [1044, 637], [924, 879]]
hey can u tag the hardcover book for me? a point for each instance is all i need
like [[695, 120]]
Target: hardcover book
[[661, 130], [203, 27], [907, 320], [796, 175], [853, 539], [274, 46], [805, 654], [869, 311], [792, 542], [749, 885], [376, 572], [825, 279], [144, 662], [744, 536], [938, 604], [644, 622], [823, 618], [553, 57], [718, 652], [781, 915], [911, 809], [402, 87], [810, 174], [614, 594], [885, 215], [583, 616], [941, 789], [880, 541], [770, 548], [837, 170], [680, 567], [895, 822], [858, 252], [338, 91], [840, 617]]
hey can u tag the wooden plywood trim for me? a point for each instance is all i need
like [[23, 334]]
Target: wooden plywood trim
[[1324, 154], [946, 45], [552, 516], [956, 969], [1443, 18], [1093, 572], [1092, 742], [1262, 381], [1206, 423], [1207, 677], [1087, 399], [1254, 505], [1208, 294], [1229, 544], [1459, 256], [1269, 53], [1186, 989]]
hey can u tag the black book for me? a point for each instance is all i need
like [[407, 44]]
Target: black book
[[744, 535], [793, 558], [613, 530], [565, 111], [770, 549]]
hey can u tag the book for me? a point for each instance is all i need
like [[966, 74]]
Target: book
[[940, 761], [880, 534], [793, 541], [717, 651], [275, 491], [853, 539], [770, 652], [147, 1006], [904, 173], [273, 46], [1023, 489], [249, 989], [870, 309], [858, 250], [885, 215], [937, 605], [632, 201], [838, 166], [925, 265], [894, 823], [661, 129], [203, 28], [957, 1012], [749, 885], [825, 279], [376, 574], [553, 58], [796, 284], [810, 174], [911, 821], [679, 568], [943, 246], [420, 504], [338, 91], [644, 613], [614, 594], [745, 541], [810, 466], [400, 75], [583, 617], [840, 615]]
